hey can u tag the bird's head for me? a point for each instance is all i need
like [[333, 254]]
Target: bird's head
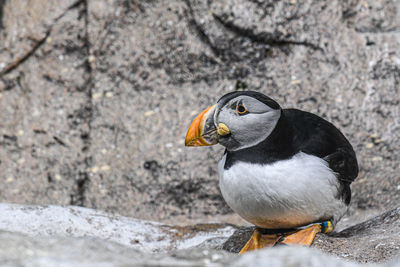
[[238, 120]]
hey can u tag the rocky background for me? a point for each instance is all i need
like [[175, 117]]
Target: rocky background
[[96, 96]]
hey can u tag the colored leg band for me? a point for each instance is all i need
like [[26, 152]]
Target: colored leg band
[[326, 227]]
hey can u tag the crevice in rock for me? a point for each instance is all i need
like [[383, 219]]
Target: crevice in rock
[[37, 43], [200, 31], [74, 5], [18, 61], [78, 195], [2, 3], [59, 141], [265, 39]]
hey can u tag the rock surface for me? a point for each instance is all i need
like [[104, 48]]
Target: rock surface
[[43, 102], [96, 95], [377, 238], [20, 250], [54, 235], [82, 222]]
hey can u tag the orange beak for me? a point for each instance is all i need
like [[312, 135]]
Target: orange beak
[[202, 131]]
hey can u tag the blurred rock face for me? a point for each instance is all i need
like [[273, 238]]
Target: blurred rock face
[[96, 96]]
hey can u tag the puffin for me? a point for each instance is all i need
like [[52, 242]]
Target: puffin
[[286, 171]]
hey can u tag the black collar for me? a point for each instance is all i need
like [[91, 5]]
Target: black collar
[[277, 146]]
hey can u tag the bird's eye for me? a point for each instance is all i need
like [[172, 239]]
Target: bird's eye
[[241, 110]]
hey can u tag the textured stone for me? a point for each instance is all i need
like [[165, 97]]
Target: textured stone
[[142, 112], [152, 75], [368, 241], [43, 103], [24, 27], [373, 16], [78, 222], [118, 82], [53, 235], [20, 250]]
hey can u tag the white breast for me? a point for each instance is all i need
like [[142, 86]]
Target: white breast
[[284, 194]]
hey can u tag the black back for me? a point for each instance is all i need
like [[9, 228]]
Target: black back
[[298, 131]]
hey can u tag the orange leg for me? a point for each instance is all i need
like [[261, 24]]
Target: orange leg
[[259, 240], [303, 237], [306, 236]]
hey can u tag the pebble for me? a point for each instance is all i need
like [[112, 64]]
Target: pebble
[[105, 168], [169, 145], [377, 158], [369, 145], [149, 113], [96, 95], [91, 59], [295, 82]]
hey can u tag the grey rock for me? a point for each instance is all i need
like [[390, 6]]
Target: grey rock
[[152, 75], [80, 222], [289, 256], [22, 34], [142, 112], [368, 241], [69, 236], [373, 16], [43, 102], [306, 55], [96, 111], [20, 250]]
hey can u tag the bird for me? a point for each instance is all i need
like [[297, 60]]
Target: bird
[[286, 171]]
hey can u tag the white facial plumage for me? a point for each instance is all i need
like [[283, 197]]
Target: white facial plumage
[[249, 129]]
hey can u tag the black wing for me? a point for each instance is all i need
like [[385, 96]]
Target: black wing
[[316, 136]]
